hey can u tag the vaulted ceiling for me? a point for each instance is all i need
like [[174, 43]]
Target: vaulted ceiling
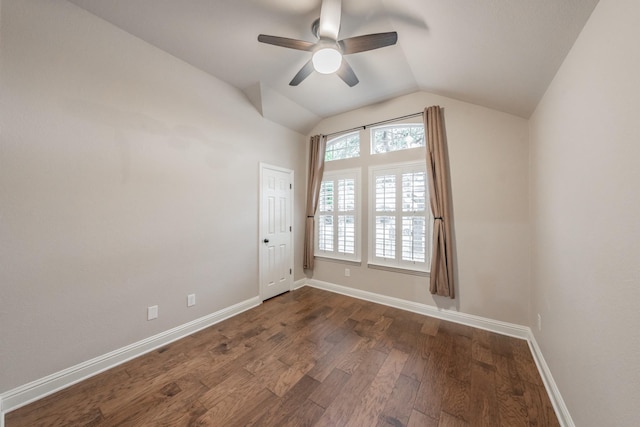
[[500, 54]]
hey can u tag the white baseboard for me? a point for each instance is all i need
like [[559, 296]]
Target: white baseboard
[[497, 326], [23, 395], [299, 283], [503, 328], [562, 412]]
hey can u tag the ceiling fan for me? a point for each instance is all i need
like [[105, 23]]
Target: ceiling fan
[[328, 51]]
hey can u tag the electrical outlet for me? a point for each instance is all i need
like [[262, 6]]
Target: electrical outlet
[[191, 300], [347, 272], [152, 312], [539, 322]]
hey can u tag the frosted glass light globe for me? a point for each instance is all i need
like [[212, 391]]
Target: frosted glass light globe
[[326, 60]]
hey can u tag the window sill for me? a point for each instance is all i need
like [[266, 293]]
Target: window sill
[[399, 270], [357, 263]]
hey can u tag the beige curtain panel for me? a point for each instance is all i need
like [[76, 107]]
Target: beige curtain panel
[[316, 169], [441, 277]]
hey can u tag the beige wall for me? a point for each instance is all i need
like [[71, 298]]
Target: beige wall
[[488, 153], [585, 210], [127, 178]]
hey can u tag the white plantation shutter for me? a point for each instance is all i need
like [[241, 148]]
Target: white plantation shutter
[[385, 236], [325, 233], [385, 201], [414, 190], [325, 218], [338, 214], [346, 217], [400, 228], [413, 242]]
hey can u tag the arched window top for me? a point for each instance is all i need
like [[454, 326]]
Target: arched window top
[[343, 147]]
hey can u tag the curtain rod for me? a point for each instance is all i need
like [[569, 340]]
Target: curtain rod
[[375, 124]]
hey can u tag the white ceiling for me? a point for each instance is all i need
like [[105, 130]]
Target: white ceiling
[[498, 53]]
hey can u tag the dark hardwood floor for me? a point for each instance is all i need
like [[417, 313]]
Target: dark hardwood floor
[[311, 357]]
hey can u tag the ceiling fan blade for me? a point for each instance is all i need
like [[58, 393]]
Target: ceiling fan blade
[[330, 12], [367, 42], [345, 72], [286, 42], [302, 74]]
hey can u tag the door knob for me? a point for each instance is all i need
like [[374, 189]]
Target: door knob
[[266, 240]]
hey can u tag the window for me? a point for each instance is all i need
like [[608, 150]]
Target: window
[[343, 147], [400, 221], [337, 224], [396, 137]]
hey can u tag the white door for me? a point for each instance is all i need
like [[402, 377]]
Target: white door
[[276, 231]]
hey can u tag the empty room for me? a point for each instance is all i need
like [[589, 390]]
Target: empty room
[[319, 213]]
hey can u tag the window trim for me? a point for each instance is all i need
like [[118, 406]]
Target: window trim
[[397, 263], [356, 174]]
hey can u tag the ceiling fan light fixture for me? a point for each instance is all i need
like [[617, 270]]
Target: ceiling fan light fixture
[[328, 51], [327, 60]]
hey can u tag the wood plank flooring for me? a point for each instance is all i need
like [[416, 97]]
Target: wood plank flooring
[[313, 358]]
